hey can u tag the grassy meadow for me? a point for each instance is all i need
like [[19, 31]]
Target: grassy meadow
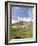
[[21, 33]]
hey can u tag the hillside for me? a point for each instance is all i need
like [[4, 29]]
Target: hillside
[[22, 24], [21, 29]]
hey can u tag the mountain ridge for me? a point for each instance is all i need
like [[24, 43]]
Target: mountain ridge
[[21, 22]]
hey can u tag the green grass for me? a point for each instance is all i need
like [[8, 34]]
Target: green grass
[[20, 33]]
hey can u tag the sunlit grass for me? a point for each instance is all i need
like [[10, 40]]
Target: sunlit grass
[[20, 32]]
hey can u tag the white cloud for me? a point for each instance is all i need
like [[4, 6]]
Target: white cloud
[[16, 7], [20, 18], [27, 19], [13, 21], [24, 19]]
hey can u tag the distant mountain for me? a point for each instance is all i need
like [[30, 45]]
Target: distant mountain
[[22, 23]]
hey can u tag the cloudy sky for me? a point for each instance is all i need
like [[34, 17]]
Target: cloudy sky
[[21, 13]]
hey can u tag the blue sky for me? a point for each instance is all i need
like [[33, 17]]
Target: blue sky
[[21, 13]]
